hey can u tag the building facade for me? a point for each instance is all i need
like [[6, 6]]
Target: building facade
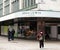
[[10, 6], [10, 15]]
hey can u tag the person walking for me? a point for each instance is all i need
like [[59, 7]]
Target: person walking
[[40, 37]]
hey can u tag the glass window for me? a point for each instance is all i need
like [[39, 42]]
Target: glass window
[[6, 9], [6, 2], [28, 3], [15, 6], [59, 30], [1, 12], [1, 1], [1, 6], [32, 2], [14, 0], [24, 3]]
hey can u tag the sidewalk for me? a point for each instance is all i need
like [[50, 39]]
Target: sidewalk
[[20, 44]]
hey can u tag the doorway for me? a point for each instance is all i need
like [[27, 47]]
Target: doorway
[[47, 32]]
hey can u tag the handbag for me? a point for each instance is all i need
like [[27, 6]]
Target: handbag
[[41, 38]]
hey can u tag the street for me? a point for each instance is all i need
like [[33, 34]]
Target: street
[[21, 44]]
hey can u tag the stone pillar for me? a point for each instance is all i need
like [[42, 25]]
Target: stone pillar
[[40, 26], [20, 4]]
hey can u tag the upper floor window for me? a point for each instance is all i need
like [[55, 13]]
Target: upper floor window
[[28, 3], [14, 0], [1, 1], [15, 5], [1, 6], [6, 3], [1, 12]]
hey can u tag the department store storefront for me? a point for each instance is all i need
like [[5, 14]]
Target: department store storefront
[[45, 21]]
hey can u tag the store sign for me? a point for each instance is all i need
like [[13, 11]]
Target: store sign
[[38, 14], [32, 13], [54, 14]]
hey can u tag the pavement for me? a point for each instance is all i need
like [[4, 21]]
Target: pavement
[[22, 44]]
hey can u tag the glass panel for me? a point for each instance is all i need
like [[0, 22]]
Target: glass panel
[[1, 1], [32, 2], [5, 30], [6, 2], [1, 6], [28, 3], [58, 30], [12, 0], [1, 12], [15, 6], [23, 3], [7, 10]]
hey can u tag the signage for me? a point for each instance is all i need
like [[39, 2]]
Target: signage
[[54, 14]]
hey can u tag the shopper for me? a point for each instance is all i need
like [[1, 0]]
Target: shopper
[[40, 37], [11, 32]]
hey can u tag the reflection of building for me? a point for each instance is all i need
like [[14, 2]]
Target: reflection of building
[[10, 15]]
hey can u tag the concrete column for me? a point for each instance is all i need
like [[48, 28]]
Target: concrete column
[[40, 26], [3, 7], [53, 31], [10, 7], [20, 4]]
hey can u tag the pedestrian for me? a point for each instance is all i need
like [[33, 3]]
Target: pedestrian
[[9, 33], [22, 31], [13, 32], [40, 37]]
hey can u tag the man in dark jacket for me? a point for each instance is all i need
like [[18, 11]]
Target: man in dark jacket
[[11, 32]]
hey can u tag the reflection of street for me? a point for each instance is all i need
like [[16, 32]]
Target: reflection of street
[[20, 44]]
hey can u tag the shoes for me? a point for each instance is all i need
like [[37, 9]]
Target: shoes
[[41, 47]]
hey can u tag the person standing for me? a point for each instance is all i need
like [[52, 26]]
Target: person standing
[[23, 31], [40, 37], [13, 32], [9, 33]]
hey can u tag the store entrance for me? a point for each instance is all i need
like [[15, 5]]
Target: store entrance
[[47, 32], [27, 29], [33, 29], [33, 25]]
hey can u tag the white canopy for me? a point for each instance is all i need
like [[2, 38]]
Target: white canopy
[[54, 14]]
